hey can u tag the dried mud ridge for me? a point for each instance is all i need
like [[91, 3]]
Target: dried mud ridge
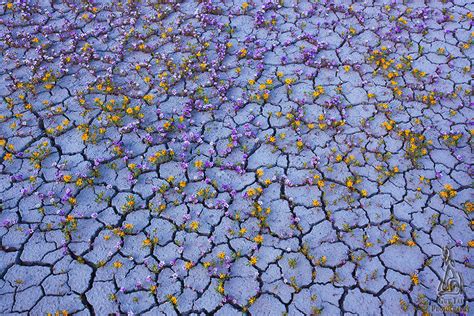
[[220, 157]]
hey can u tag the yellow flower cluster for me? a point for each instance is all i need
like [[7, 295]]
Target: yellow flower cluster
[[161, 156], [448, 192]]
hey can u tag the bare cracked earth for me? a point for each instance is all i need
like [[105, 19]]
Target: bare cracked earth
[[228, 157]]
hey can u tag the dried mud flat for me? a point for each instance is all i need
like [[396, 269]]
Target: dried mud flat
[[220, 157]]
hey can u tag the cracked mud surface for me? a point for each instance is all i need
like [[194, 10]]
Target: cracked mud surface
[[220, 157]]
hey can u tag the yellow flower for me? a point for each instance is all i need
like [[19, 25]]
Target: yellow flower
[[448, 192], [251, 192], [148, 98], [194, 225], [394, 239], [117, 264], [299, 144], [198, 164], [253, 260], [258, 239], [79, 182], [414, 279], [220, 288], [259, 172], [146, 242], [349, 183], [322, 260], [387, 126], [172, 299], [402, 20], [67, 178]]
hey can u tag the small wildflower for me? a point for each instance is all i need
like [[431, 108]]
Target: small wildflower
[[148, 98], [253, 261], [258, 239], [414, 279], [322, 260], [198, 164], [172, 299], [448, 192], [117, 264], [188, 265], [194, 225]]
